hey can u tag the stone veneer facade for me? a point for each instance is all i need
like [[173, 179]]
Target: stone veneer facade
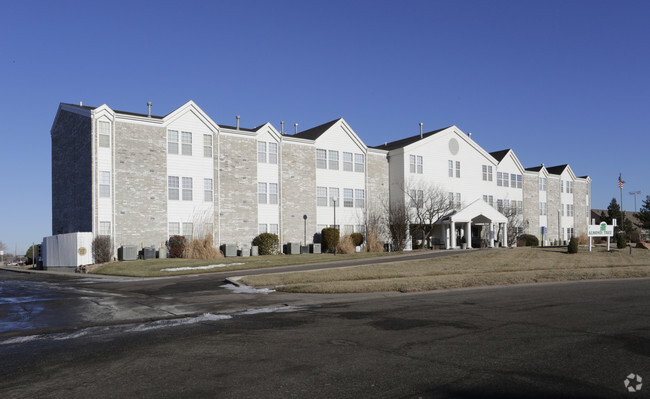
[[140, 188], [377, 175], [72, 182], [298, 170], [531, 203]]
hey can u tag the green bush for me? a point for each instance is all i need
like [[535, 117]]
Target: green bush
[[329, 239], [621, 241], [267, 244], [573, 246], [177, 246], [102, 249], [357, 239], [527, 240]]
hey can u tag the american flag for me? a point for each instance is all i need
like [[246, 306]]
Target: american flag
[[620, 182]]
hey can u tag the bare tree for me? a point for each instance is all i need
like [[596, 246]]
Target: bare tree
[[427, 204], [3, 247], [514, 215], [376, 232], [398, 222]]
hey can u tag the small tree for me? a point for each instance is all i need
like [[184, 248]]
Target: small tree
[[398, 224], [357, 239], [330, 238], [426, 205], [621, 241], [32, 253], [102, 249], [573, 246], [267, 244], [643, 215], [177, 246]]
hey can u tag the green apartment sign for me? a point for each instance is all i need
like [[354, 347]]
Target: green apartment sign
[[600, 230]]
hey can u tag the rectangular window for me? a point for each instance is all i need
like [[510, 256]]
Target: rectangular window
[[321, 196], [420, 163], [207, 145], [174, 229], [506, 205], [519, 181], [208, 228], [413, 196], [104, 132], [187, 189], [569, 210], [262, 228], [104, 228], [321, 159], [506, 177], [500, 205], [188, 231], [569, 231], [334, 159], [569, 187], [458, 169], [273, 153], [542, 208], [542, 184], [172, 142], [207, 190], [487, 173], [273, 229], [186, 138], [359, 163], [419, 198], [360, 228], [273, 193], [412, 163], [458, 201], [261, 151], [348, 229], [359, 198], [261, 193], [489, 199], [347, 161], [562, 186], [173, 187], [562, 208], [105, 184], [451, 199], [513, 180], [451, 168], [334, 196], [348, 198]]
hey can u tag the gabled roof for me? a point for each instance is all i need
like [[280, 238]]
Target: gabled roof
[[409, 140], [535, 168], [557, 170], [499, 155], [240, 128], [316, 132], [116, 111]]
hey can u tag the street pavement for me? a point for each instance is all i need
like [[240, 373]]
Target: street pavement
[[190, 337]]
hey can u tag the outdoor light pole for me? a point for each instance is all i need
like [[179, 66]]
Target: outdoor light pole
[[634, 193], [304, 217], [334, 201]]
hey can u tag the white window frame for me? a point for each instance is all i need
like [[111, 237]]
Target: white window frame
[[359, 163], [273, 193], [104, 184], [333, 159], [262, 193], [321, 158], [105, 228], [458, 169], [419, 163], [348, 198], [359, 198], [348, 162], [334, 195], [208, 190], [262, 228], [207, 145], [173, 188], [450, 165], [273, 152], [542, 184], [187, 188], [321, 196], [261, 151], [188, 234], [174, 229], [172, 142], [274, 228], [412, 168], [186, 143], [104, 134]]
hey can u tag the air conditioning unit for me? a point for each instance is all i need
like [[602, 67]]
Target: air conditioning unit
[[127, 252], [149, 253], [245, 251], [315, 248], [229, 250], [292, 248]]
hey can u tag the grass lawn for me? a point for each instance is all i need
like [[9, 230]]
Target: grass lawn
[[154, 267], [480, 268]]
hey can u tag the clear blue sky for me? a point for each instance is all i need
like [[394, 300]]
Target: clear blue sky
[[557, 81]]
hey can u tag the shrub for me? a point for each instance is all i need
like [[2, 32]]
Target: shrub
[[573, 245], [102, 249], [329, 238], [346, 245], [267, 244], [621, 241], [583, 239], [357, 239], [527, 240], [177, 246], [202, 249], [373, 244]]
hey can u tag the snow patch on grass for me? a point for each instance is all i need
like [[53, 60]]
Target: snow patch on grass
[[244, 289], [177, 269]]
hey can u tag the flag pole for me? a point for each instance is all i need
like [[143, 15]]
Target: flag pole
[[620, 186]]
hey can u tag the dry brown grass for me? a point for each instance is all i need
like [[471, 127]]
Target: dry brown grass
[[373, 244], [488, 267], [202, 249], [346, 246]]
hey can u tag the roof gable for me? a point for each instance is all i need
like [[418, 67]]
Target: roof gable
[[317, 131]]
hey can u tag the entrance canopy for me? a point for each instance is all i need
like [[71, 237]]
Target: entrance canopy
[[478, 212]]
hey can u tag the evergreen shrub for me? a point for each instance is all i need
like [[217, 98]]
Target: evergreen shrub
[[329, 239], [267, 244], [573, 246], [527, 240], [177, 246]]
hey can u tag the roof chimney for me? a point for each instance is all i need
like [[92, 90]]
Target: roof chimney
[[296, 125], [81, 104], [281, 127], [238, 121], [469, 134], [149, 107], [421, 129]]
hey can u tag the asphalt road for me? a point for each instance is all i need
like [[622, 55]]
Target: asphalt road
[[578, 340]]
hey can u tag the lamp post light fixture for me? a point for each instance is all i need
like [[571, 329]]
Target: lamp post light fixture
[[334, 201], [304, 217]]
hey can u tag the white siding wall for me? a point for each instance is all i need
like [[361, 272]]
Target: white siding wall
[[198, 167], [268, 172], [104, 164]]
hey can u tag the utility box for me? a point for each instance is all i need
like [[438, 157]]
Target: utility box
[[315, 248], [244, 252], [229, 250], [127, 252], [255, 251], [292, 248], [304, 249], [71, 249], [162, 252], [149, 253]]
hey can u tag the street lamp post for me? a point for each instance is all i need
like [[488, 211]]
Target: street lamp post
[[304, 217], [334, 201]]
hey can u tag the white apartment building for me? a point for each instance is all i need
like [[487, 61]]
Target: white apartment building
[[141, 178]]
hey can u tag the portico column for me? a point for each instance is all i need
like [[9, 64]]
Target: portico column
[[468, 234], [505, 235], [452, 228], [445, 235], [491, 235]]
